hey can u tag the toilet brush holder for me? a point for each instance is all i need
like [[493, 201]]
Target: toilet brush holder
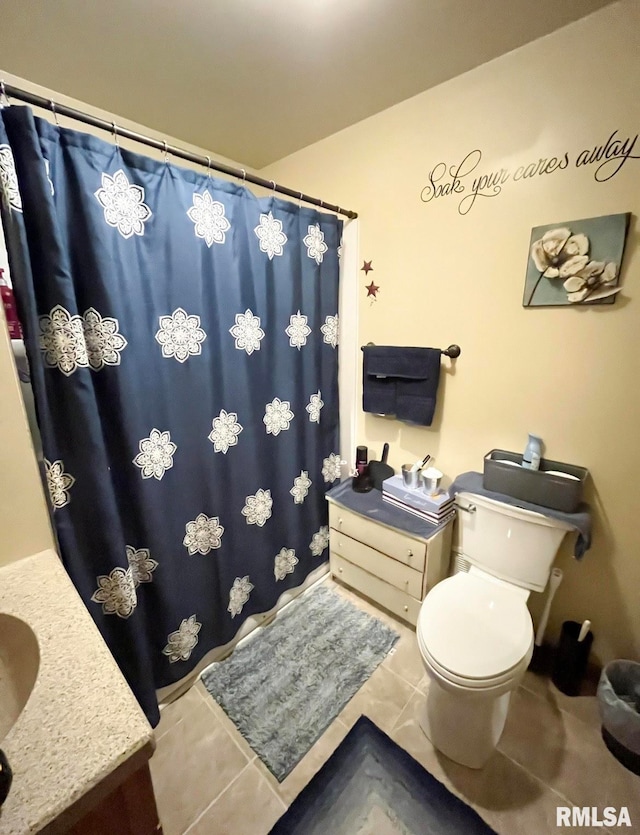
[[570, 662]]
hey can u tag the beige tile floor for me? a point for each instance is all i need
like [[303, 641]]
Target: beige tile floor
[[208, 781]]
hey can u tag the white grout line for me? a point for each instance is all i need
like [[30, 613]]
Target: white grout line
[[217, 797], [536, 779]]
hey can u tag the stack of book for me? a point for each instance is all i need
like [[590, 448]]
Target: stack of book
[[436, 510]]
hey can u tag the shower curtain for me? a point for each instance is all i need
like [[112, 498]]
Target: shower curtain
[[182, 338]]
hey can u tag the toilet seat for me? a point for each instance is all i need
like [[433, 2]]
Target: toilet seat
[[474, 632]]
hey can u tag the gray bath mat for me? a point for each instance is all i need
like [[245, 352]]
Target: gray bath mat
[[285, 686]]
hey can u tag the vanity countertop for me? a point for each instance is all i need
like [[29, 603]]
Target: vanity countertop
[[81, 721]]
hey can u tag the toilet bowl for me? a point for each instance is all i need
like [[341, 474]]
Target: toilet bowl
[[474, 630], [475, 637]]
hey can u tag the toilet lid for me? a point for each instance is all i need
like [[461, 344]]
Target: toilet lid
[[475, 628]]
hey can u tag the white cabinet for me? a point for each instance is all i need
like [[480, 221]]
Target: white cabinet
[[388, 562]]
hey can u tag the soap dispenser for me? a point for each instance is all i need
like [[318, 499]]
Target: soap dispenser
[[532, 453]]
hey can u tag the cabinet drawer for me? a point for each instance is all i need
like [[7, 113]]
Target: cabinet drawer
[[380, 565], [404, 548], [392, 599]]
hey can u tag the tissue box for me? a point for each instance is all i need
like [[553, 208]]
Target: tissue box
[[535, 486]]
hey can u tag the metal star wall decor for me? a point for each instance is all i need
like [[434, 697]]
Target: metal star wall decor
[[366, 267], [372, 290]]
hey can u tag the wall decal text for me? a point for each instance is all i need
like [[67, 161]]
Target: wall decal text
[[467, 181]]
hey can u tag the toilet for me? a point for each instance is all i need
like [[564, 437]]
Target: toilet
[[474, 630]]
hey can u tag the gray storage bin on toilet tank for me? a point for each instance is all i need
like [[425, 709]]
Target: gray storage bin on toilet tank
[[503, 473]]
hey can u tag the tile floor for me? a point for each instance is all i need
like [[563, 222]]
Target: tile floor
[[208, 781]]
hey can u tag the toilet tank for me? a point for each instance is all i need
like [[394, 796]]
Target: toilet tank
[[508, 542]]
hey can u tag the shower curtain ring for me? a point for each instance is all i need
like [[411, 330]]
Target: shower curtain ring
[[114, 128], [244, 175], [273, 185], [52, 105], [3, 94], [166, 153], [209, 167]]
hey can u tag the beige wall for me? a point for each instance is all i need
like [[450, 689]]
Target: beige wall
[[571, 375], [24, 520]]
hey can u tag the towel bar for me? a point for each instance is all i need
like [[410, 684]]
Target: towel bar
[[453, 351]]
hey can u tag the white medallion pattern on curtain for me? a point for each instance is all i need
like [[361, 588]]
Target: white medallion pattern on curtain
[[180, 335], [203, 534], [247, 332], [62, 340], [225, 431], [330, 330], [313, 407], [209, 219], [58, 482], [9, 179], [301, 485], [123, 204], [270, 235], [69, 341], [285, 563], [116, 592], [319, 541], [141, 565], [102, 339], [156, 454], [314, 242], [257, 508], [298, 330], [239, 594], [331, 467], [182, 642], [277, 416]]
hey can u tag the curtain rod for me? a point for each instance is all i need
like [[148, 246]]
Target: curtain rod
[[7, 90]]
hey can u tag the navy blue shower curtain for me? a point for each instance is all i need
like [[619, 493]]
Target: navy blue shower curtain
[[182, 337]]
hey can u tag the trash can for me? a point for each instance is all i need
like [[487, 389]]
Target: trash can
[[570, 662], [619, 702]]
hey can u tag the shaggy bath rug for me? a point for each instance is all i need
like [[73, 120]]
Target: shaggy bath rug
[[371, 786], [284, 687]]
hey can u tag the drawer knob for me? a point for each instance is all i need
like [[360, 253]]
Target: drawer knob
[[339, 521], [406, 608], [339, 571], [409, 553]]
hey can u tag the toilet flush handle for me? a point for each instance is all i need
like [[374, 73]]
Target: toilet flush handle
[[470, 508]]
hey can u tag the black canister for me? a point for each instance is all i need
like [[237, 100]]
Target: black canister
[[570, 662]]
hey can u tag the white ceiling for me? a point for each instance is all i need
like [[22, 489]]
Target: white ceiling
[[256, 80]]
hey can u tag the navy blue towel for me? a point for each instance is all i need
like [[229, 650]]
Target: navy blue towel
[[580, 520], [401, 382]]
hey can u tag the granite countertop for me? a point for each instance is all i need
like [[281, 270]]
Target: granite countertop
[[81, 721]]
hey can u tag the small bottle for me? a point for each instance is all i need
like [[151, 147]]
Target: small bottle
[[362, 455], [532, 453], [10, 312], [361, 482]]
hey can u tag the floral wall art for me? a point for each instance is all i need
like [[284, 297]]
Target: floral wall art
[[576, 262]]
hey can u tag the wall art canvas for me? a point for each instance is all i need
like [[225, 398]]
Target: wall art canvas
[[575, 262]]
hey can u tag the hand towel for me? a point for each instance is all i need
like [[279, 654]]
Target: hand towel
[[401, 381]]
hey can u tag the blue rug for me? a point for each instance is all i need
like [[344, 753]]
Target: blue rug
[[371, 786], [285, 686]]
